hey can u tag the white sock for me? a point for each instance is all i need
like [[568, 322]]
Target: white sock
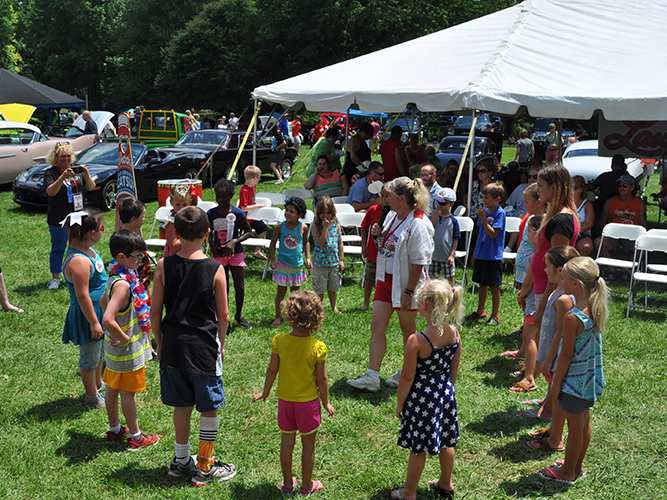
[[137, 435], [182, 452], [115, 430]]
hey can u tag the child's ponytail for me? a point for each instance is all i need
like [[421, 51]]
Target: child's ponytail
[[587, 272], [446, 302]]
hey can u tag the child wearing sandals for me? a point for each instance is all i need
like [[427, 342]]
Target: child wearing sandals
[[298, 360], [287, 265], [558, 304], [579, 378], [426, 401]]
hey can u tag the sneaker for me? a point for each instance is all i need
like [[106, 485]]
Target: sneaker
[[393, 380], [143, 441], [493, 322], [366, 381], [279, 181], [474, 317], [112, 438], [95, 402], [243, 322], [218, 472], [54, 284], [177, 469]]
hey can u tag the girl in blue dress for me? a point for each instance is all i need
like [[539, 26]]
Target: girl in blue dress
[[86, 279], [426, 399], [578, 375]]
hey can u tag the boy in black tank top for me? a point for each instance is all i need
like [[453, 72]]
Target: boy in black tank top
[[190, 342]]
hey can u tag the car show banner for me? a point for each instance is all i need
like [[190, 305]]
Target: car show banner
[[126, 186], [632, 139]]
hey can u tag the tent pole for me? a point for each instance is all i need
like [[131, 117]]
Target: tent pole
[[347, 127], [559, 129], [254, 137], [471, 152]]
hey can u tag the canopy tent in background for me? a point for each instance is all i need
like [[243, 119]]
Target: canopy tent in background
[[557, 58], [19, 89]]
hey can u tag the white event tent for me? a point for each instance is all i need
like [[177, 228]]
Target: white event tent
[[557, 58]]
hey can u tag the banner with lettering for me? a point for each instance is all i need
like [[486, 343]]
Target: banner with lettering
[[126, 186], [632, 139]]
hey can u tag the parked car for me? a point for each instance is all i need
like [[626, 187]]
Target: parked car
[[452, 147], [462, 124], [408, 125], [150, 166], [581, 158], [198, 145], [23, 145]]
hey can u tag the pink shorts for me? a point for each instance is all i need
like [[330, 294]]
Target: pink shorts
[[297, 416], [529, 320], [235, 260], [383, 291]]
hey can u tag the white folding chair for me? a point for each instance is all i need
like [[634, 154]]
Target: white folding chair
[[352, 242], [265, 201], [511, 226], [466, 225], [207, 205], [645, 271], [459, 211], [161, 214], [613, 230], [339, 199], [308, 218], [270, 216], [304, 194], [343, 208], [276, 198]]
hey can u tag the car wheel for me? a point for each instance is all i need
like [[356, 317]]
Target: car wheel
[[108, 196], [235, 175], [286, 167]]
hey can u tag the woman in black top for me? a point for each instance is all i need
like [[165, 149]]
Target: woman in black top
[[65, 186], [357, 150]]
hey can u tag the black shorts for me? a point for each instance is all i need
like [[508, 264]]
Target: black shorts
[[278, 156], [488, 272], [259, 227]]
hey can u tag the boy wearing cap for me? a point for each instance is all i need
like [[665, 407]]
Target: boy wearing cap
[[446, 237]]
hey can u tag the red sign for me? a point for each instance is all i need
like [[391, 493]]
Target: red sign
[[638, 139]]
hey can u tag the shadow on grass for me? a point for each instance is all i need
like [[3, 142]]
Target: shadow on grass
[[81, 447], [533, 486], [340, 389], [503, 423], [264, 490], [32, 289], [135, 476], [500, 372], [60, 409], [519, 452]]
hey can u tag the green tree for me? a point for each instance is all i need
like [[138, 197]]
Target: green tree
[[9, 56]]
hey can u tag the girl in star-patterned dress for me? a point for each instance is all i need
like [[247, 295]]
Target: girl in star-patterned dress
[[426, 399]]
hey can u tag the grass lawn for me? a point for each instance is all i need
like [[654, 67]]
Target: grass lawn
[[52, 447]]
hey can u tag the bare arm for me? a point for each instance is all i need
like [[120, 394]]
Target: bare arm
[[454, 369], [272, 245], [323, 387], [604, 216], [353, 147], [410, 355], [571, 328], [221, 306], [346, 186], [172, 238], [271, 374], [119, 297], [90, 183], [415, 273], [157, 302], [341, 252], [590, 218], [310, 182]]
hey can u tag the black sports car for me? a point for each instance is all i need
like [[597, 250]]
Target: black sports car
[[150, 166]]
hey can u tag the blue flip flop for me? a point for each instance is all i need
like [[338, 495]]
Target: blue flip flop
[[530, 414]]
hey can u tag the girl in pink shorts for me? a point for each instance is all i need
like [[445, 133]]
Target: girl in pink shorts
[[298, 358]]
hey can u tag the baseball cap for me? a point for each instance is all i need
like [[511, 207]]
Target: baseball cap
[[627, 178], [363, 166], [446, 195]]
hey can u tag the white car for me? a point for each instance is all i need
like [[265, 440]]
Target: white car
[[581, 158], [23, 145]]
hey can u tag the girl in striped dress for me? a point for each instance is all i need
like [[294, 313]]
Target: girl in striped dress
[[579, 372], [287, 265]]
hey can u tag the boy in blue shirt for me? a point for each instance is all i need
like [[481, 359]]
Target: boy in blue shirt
[[488, 258]]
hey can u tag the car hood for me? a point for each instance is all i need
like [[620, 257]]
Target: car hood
[[202, 149], [590, 167], [17, 112], [35, 174]]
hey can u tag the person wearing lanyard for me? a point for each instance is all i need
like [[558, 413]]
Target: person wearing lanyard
[[405, 245], [64, 186]]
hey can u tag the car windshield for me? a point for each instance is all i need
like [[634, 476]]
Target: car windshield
[[106, 153], [208, 137], [466, 121], [572, 153], [458, 144]]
